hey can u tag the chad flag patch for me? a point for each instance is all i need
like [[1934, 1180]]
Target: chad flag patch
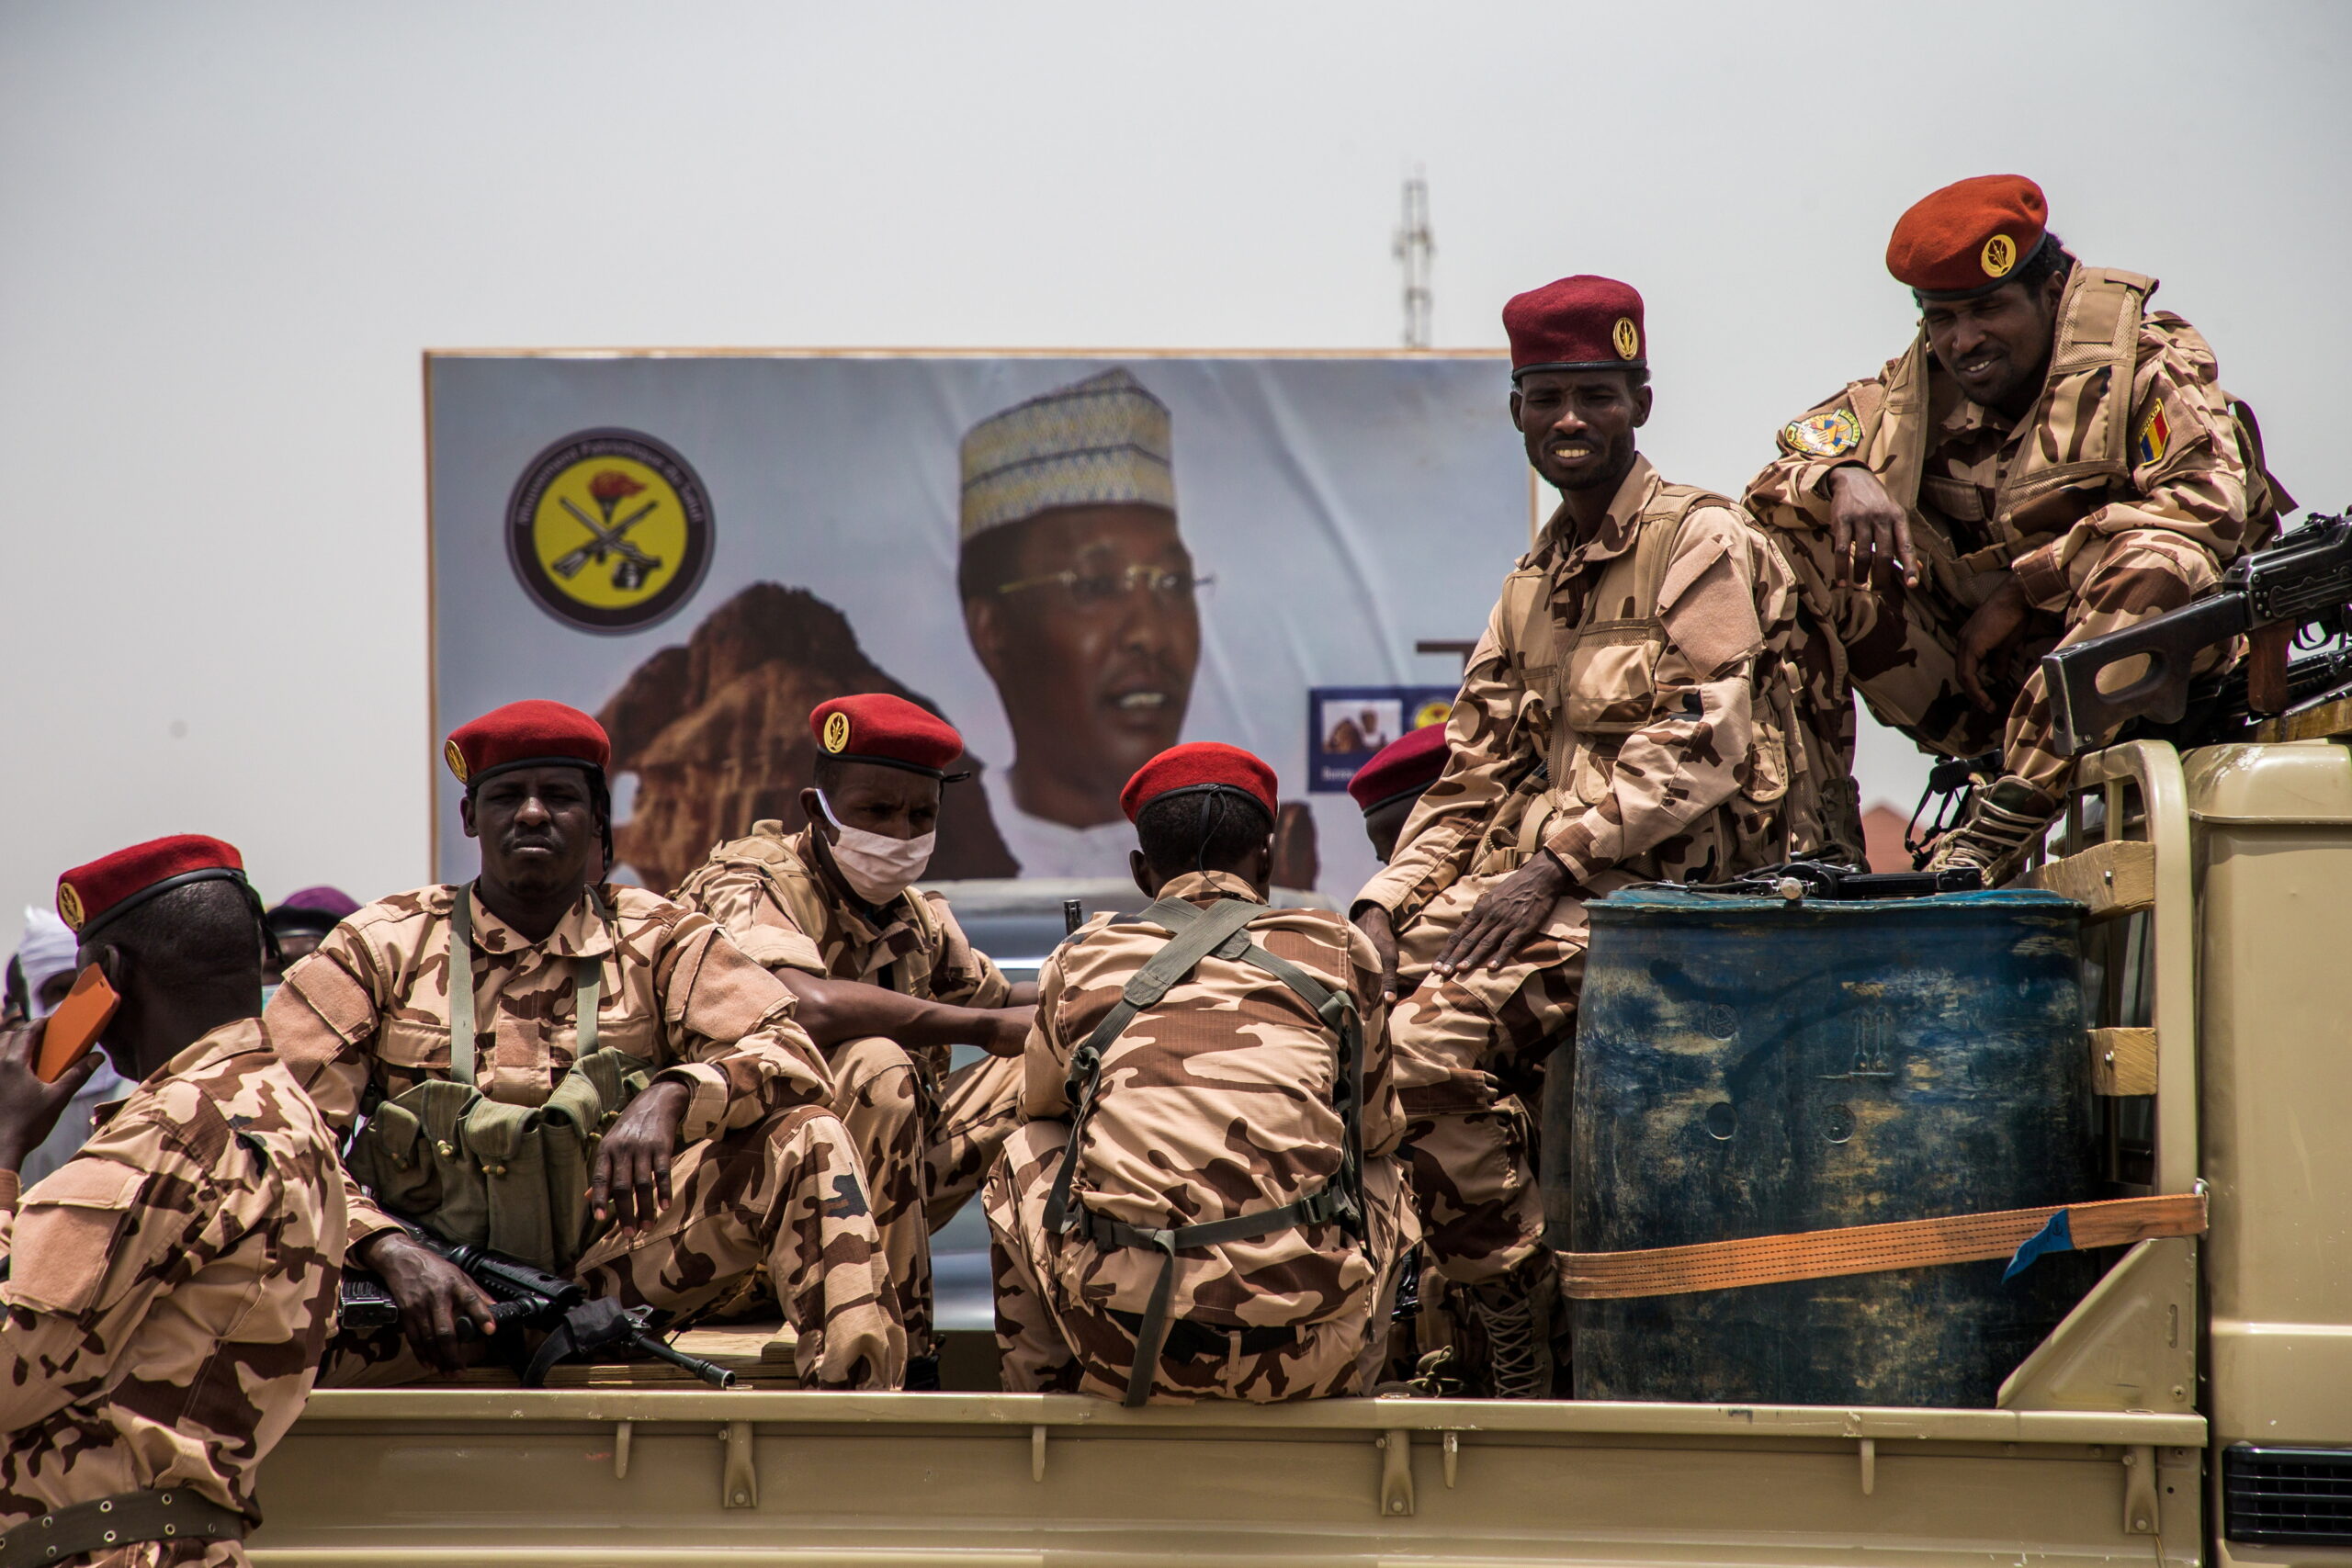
[[2155, 435]]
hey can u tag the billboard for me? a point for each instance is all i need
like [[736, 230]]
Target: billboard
[[1076, 558]]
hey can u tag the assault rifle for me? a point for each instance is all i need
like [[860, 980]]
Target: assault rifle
[[578, 1326], [2303, 580]]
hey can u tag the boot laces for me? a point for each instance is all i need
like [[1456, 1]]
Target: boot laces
[[1513, 1364]]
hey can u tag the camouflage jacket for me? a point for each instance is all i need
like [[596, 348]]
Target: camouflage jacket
[[788, 911], [2040, 495], [371, 1006], [169, 1290], [1216, 1103], [1634, 742]]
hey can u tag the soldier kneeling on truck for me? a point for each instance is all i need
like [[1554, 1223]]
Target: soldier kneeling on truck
[[1203, 1201], [586, 1078]]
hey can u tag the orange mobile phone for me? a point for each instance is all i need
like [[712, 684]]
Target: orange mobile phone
[[74, 1028]]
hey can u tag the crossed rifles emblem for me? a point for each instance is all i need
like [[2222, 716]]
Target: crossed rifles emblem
[[608, 490]]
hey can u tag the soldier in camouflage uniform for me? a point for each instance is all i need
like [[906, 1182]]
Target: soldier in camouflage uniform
[[886, 980], [2049, 461], [724, 1158], [1201, 1202], [168, 1292], [1626, 718]]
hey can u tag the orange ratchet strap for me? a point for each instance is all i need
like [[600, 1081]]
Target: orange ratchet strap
[[1870, 1249]]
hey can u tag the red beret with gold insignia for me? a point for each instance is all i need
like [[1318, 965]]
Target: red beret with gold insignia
[[530, 734], [1577, 323], [1201, 765], [889, 731], [1406, 766], [89, 896], [1968, 238]]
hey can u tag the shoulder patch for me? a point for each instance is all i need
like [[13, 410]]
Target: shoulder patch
[[2155, 436], [1830, 434]]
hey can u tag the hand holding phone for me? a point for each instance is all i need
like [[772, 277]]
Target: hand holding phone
[[74, 1027]]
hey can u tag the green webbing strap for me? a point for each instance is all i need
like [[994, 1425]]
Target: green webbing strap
[[1196, 933], [587, 986]]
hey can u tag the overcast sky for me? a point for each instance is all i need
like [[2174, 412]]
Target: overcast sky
[[233, 229]]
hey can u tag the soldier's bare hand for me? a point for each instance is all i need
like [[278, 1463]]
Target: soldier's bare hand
[[443, 1315], [1009, 1030], [632, 1181], [1506, 915], [1991, 626], [1866, 528], [29, 1108], [1373, 921]]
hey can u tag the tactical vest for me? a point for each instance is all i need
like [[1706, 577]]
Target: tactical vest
[[475, 1170], [1598, 683], [2092, 364], [804, 897], [1220, 929]]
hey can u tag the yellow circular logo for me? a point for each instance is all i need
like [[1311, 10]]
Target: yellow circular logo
[[609, 530], [1433, 713], [2000, 255], [455, 758], [1626, 336], [69, 905], [837, 731]]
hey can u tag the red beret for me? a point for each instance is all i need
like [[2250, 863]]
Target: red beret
[[1406, 766], [1578, 323], [1968, 238], [892, 731], [529, 734], [1203, 764], [89, 896]]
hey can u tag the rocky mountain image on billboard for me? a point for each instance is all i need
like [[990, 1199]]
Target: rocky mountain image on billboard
[[717, 734]]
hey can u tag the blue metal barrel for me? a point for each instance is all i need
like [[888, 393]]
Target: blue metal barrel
[[1750, 1067]]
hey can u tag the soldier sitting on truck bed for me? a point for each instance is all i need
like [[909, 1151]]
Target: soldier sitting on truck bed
[[886, 980], [587, 1078], [1201, 1202], [169, 1289], [1625, 720], [2049, 461]]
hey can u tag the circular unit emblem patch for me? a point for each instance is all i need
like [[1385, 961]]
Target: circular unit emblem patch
[[69, 905], [837, 731], [609, 530], [2000, 255], [1830, 434], [1626, 337]]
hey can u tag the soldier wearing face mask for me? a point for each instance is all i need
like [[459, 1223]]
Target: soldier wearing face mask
[[886, 980]]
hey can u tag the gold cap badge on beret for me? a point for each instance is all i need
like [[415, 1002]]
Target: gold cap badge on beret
[[69, 905], [1100, 442], [836, 735], [455, 758], [1625, 338], [1999, 257]]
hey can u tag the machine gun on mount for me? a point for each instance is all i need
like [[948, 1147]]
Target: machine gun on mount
[[578, 1327], [2296, 593]]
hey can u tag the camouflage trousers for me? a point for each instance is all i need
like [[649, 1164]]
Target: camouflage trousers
[[1900, 645], [165, 1554], [923, 1148], [785, 1192], [1471, 1052], [1055, 1345]]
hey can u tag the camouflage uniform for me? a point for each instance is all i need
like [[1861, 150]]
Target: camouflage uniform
[[768, 1173], [925, 1136], [2105, 508], [1635, 746], [168, 1292], [1217, 1101]]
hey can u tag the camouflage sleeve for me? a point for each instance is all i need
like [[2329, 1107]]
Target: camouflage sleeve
[[1675, 769], [742, 901], [1383, 1115], [1435, 844], [322, 1023], [731, 1033], [1045, 1062], [963, 976], [2188, 471], [1792, 490]]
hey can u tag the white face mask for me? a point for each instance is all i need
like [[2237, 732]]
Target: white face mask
[[876, 866]]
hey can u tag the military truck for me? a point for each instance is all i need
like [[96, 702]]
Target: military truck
[[2196, 1407]]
